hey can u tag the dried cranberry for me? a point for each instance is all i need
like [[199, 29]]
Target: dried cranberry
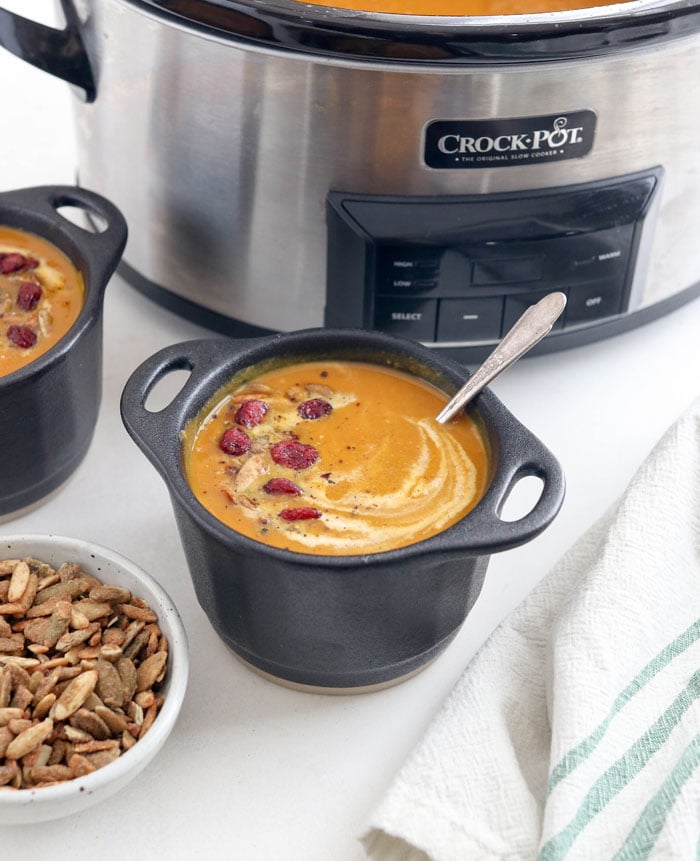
[[250, 413], [31, 263], [28, 295], [235, 441], [12, 262], [300, 514], [316, 408], [276, 486], [294, 455], [21, 336]]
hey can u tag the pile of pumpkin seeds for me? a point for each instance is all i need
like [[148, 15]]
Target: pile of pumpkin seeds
[[81, 666]]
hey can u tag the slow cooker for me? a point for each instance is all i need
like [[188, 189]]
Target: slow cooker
[[284, 165]]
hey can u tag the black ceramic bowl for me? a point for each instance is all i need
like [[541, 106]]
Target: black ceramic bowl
[[49, 407], [335, 622]]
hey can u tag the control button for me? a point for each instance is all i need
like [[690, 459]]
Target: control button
[[407, 269], [408, 262], [470, 319], [406, 285], [600, 254], [510, 271], [589, 303], [409, 318], [399, 261], [515, 307]]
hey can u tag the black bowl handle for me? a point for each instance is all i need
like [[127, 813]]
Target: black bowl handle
[[157, 433], [39, 208], [522, 455], [59, 52]]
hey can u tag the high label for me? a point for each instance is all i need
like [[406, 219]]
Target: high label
[[465, 144]]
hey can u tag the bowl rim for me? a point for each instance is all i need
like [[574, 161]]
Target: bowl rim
[[25, 210], [500, 427], [289, 348], [177, 684]]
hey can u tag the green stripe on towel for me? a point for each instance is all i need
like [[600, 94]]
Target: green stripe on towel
[[622, 772], [643, 836], [582, 751]]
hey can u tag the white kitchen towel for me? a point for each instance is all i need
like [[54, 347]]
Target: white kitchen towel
[[575, 731]]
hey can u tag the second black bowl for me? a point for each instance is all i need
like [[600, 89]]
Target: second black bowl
[[49, 407]]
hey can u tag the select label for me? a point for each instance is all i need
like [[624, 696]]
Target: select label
[[466, 144]]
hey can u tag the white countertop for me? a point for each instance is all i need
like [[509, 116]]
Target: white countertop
[[253, 770]]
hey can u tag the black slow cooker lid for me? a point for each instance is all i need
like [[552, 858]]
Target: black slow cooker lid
[[303, 27]]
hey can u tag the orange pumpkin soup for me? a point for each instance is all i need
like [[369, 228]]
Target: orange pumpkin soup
[[461, 8], [41, 294], [332, 457]]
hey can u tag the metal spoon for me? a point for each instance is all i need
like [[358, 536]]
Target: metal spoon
[[530, 328]]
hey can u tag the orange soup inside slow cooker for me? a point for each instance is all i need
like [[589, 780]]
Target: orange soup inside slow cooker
[[462, 8], [338, 458], [41, 295]]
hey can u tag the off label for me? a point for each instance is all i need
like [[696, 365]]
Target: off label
[[465, 144]]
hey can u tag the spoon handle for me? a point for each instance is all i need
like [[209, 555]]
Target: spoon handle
[[531, 327]]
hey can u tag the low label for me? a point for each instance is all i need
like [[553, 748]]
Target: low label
[[465, 144]]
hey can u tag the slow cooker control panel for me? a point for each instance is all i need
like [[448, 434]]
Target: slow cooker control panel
[[456, 272]]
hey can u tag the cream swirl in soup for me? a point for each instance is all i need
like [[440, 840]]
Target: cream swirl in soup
[[339, 458]]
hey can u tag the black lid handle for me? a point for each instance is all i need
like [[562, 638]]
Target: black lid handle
[[59, 52]]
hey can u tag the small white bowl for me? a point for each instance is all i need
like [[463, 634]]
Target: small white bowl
[[53, 802]]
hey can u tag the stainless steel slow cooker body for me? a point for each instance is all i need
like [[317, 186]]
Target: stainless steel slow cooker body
[[242, 141]]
